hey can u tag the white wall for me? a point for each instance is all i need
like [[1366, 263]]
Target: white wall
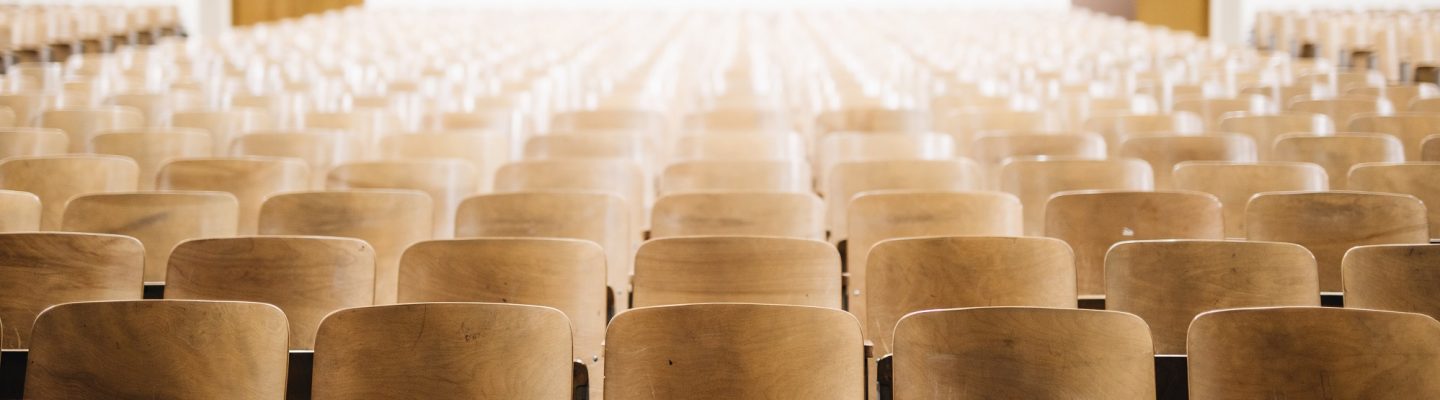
[[1231, 20]]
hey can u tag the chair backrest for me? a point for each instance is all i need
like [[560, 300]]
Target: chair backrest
[[1425, 105], [786, 146], [168, 349], [1394, 277], [160, 220], [1401, 95], [1409, 128], [1416, 179], [849, 179], [1234, 184], [770, 176], [389, 220], [1118, 128], [991, 151], [28, 106], [1340, 110], [966, 125], [308, 277], [155, 107], [486, 151], [1023, 352], [19, 211], [1430, 148], [624, 145], [321, 150], [1264, 128], [842, 147], [1033, 181], [1312, 352], [740, 120], [32, 142], [499, 350], [1330, 223], [618, 177], [873, 120], [224, 125], [1092, 221], [1169, 282], [749, 351], [1211, 111], [57, 179], [1163, 152], [81, 124], [1338, 152], [737, 269], [39, 270], [250, 179], [927, 273], [447, 182], [798, 215], [613, 120], [152, 147]]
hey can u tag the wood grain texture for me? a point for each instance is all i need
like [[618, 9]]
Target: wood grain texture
[[1330, 223], [1235, 183], [739, 351], [1419, 179], [389, 220], [224, 125], [57, 179], [81, 124], [1163, 152], [797, 215], [158, 349], [39, 270], [250, 179], [1169, 282], [1409, 128], [1023, 353], [152, 148], [1092, 221], [1338, 152], [32, 142], [19, 211], [1425, 105], [609, 120], [991, 151], [1313, 353], [740, 146], [160, 220], [1340, 110], [1394, 277], [1033, 181], [916, 274], [444, 350], [321, 150], [1264, 128], [849, 179], [618, 177], [1430, 148], [308, 277], [877, 216], [843, 147], [486, 151], [775, 176], [737, 269], [1117, 129], [447, 182], [873, 120]]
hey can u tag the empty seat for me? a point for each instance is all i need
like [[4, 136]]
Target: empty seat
[[441, 350], [738, 120], [842, 147], [1305, 352], [28, 106], [610, 120], [1396, 277], [1409, 128], [772, 176], [160, 220], [1234, 184], [1425, 105], [1211, 111], [1419, 179], [1265, 128], [321, 150], [621, 178], [152, 148], [308, 277], [1330, 223], [486, 151], [798, 215], [849, 179], [169, 349], [1119, 128], [1163, 152], [1169, 282], [743, 351], [81, 124], [250, 179], [967, 125], [873, 120], [991, 151], [57, 179], [1338, 152], [625, 145], [1033, 181], [19, 211], [32, 142], [1092, 221], [39, 270], [737, 269], [1020, 352], [1430, 148], [1399, 96], [787, 146], [1340, 110], [447, 182], [916, 274]]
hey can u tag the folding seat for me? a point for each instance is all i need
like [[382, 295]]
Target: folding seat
[[57, 179], [737, 269], [321, 150], [487, 151], [874, 120], [1023, 352], [796, 215], [1410, 128], [1312, 352], [1395, 277], [632, 146], [1330, 223], [151, 148], [1400, 96], [1416, 179], [1425, 105], [877, 216], [774, 146], [39, 270], [81, 124], [1341, 110], [160, 220], [19, 211], [1337, 153], [1034, 180], [740, 120], [155, 107], [250, 179], [966, 126], [1169, 282], [224, 125], [1287, 94], [487, 120], [1119, 128], [506, 351], [1266, 128], [913, 274], [32, 142], [28, 106], [744, 351], [1211, 111], [167, 349], [637, 120], [1092, 221], [971, 103], [1234, 184], [841, 147], [702, 176], [849, 179], [991, 151], [389, 220], [446, 181], [365, 126], [1430, 148], [593, 216], [1163, 152], [618, 177]]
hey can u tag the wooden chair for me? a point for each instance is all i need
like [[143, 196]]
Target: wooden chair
[[1163, 152], [841, 147], [1337, 153], [1396, 277], [1416, 179], [1266, 128], [1116, 129], [770, 176], [500, 350], [1399, 96], [389, 220], [447, 182], [967, 125], [1211, 111], [320, 150], [250, 179], [151, 148], [81, 124], [1033, 181], [740, 120], [1234, 184], [927, 273], [160, 220], [32, 142], [610, 120], [877, 216], [308, 277], [991, 151], [1409, 128], [593, 216], [749, 351], [486, 151], [1023, 352], [1169, 282], [156, 108], [625, 145], [874, 120], [1341, 110], [1092, 221], [1312, 352], [169, 349], [1430, 148], [796, 215], [849, 179], [1425, 105], [19, 211], [39, 270], [28, 107], [365, 126], [487, 120], [737, 269], [787, 146], [1330, 223], [621, 178], [57, 179]]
